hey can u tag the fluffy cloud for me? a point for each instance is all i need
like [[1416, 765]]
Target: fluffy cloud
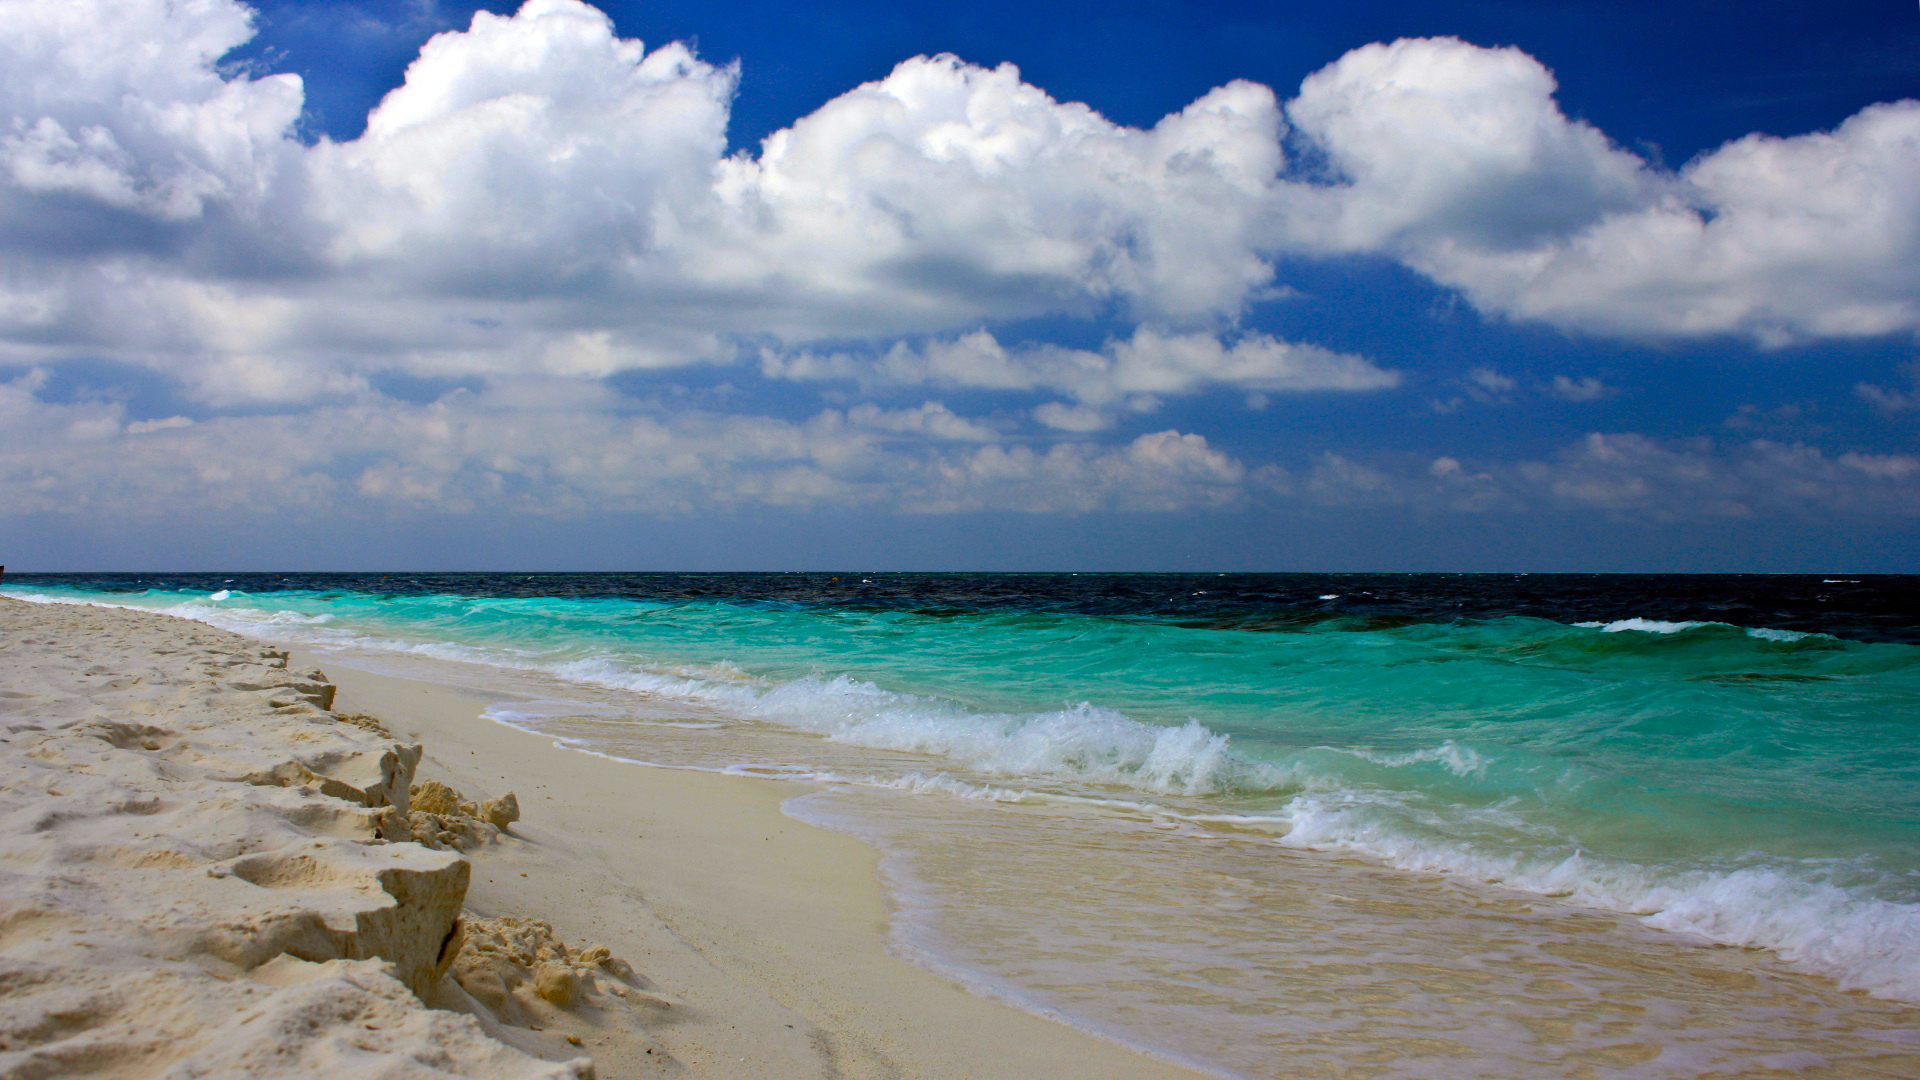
[[1777, 239], [1129, 375], [1691, 480], [541, 141], [1435, 143], [1160, 472], [543, 196], [1891, 400], [950, 191], [1486, 386], [1456, 160], [115, 113]]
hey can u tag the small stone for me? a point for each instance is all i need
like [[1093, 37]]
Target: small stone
[[501, 812], [558, 984]]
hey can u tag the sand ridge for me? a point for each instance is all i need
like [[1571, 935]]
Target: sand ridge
[[204, 872]]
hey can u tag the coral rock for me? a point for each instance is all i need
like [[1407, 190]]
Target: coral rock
[[501, 812], [434, 797], [557, 983], [200, 874], [521, 971]]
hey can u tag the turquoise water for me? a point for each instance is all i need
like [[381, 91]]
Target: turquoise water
[[1744, 784]]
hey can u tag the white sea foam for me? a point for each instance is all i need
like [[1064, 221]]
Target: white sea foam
[[1860, 941], [1769, 634], [944, 784], [252, 621], [1645, 626], [255, 621], [1455, 758], [1659, 626], [719, 683], [523, 715], [1083, 741]]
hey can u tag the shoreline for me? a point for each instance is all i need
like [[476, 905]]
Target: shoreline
[[211, 871], [1672, 971], [769, 933]]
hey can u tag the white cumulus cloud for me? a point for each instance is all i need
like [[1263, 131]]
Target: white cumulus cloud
[[118, 107], [1435, 142], [947, 191], [1457, 160], [541, 195]]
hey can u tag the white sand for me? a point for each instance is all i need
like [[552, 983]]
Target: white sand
[[203, 873]]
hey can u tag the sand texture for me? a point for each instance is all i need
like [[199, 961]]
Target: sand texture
[[196, 877]]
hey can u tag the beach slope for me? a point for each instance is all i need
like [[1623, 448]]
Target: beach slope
[[769, 935], [216, 860]]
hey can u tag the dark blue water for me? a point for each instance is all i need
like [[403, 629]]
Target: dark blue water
[[1860, 607]]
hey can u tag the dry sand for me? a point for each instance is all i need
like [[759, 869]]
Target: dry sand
[[213, 865]]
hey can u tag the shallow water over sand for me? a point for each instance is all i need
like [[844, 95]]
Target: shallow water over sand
[[1264, 961]]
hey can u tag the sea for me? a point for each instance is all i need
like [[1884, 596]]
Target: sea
[[1269, 825]]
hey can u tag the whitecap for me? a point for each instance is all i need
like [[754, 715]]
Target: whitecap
[[1645, 626], [1765, 633], [1861, 941], [1083, 742]]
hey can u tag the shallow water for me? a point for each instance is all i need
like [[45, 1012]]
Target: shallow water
[[1279, 825]]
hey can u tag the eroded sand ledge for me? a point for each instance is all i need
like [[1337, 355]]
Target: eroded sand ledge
[[203, 870], [208, 868]]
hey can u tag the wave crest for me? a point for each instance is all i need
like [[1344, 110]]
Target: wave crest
[[1082, 742], [1859, 941]]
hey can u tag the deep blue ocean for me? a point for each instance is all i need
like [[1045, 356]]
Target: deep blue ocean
[[1727, 759]]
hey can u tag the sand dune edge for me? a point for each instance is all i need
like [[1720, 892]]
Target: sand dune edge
[[206, 871]]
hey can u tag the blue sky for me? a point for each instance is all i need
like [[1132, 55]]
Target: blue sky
[[1240, 286]]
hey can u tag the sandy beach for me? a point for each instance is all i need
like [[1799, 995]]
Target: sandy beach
[[224, 861]]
